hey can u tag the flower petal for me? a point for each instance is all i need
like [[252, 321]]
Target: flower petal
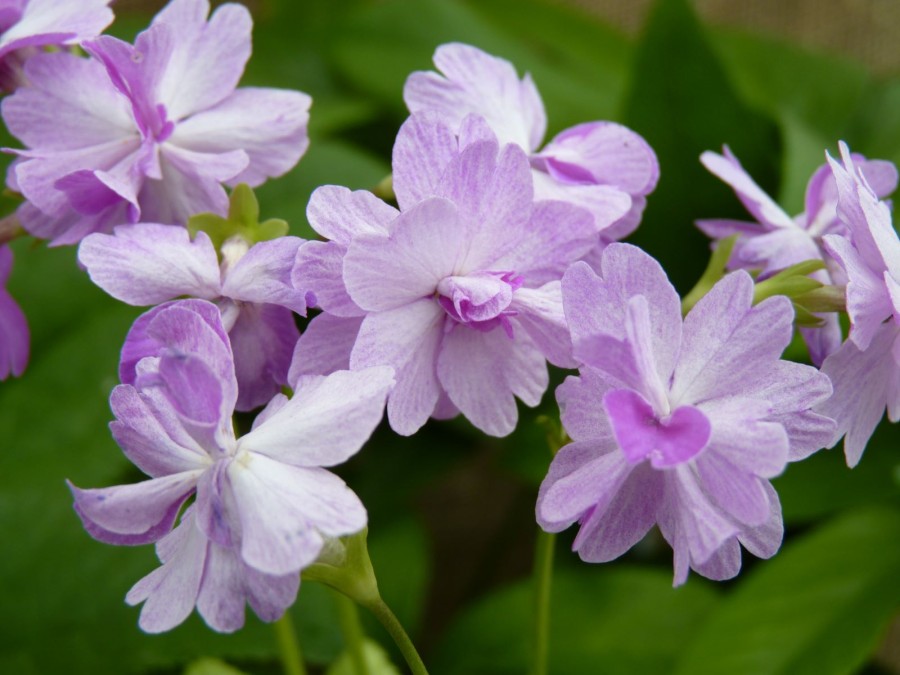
[[149, 264]]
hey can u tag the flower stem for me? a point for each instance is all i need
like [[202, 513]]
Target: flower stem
[[288, 646], [352, 631], [542, 579], [392, 625]]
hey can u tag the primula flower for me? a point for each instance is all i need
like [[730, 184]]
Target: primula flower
[[13, 327], [775, 241], [263, 504], [458, 292], [588, 165], [866, 369], [677, 423], [26, 25], [147, 264], [148, 132]]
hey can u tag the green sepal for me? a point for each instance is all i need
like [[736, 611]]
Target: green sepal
[[346, 567], [242, 221], [555, 434], [824, 299], [385, 189], [715, 270], [791, 281]]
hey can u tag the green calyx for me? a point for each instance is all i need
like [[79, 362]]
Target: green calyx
[[242, 221], [807, 295], [346, 567], [714, 271]]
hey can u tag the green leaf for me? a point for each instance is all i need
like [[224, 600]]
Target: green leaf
[[821, 90], [399, 553], [377, 662], [874, 130], [822, 485], [382, 44], [818, 608], [615, 620], [804, 152], [208, 666], [683, 103]]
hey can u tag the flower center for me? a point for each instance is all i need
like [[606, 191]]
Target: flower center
[[480, 300], [641, 433]]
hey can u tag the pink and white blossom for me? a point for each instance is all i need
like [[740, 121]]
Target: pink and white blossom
[[149, 132], [593, 165], [458, 291], [866, 369], [677, 423], [264, 503]]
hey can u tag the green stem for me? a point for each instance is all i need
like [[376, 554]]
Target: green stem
[[352, 631], [543, 577], [288, 646], [392, 625]]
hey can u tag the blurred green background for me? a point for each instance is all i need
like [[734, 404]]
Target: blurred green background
[[451, 511]]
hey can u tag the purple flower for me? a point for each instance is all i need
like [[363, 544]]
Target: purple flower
[[458, 292], [593, 165], [26, 25], [148, 132], [147, 264], [866, 369], [677, 423], [776, 241], [13, 328], [263, 504]]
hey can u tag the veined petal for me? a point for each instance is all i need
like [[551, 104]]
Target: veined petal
[[758, 203], [727, 343], [556, 236], [208, 58], [482, 372], [424, 148], [609, 205], [609, 153], [476, 82], [148, 264], [623, 520], [578, 397], [50, 22], [338, 214], [864, 384], [269, 125], [868, 300], [134, 514], [319, 271], [540, 313], [424, 246], [183, 192], [582, 477], [151, 435], [263, 275], [324, 346], [326, 421], [406, 339], [263, 339], [69, 104], [170, 591], [285, 511]]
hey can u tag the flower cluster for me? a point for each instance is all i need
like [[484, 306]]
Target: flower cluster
[[500, 256]]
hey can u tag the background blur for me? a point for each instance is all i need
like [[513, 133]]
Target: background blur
[[451, 511]]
